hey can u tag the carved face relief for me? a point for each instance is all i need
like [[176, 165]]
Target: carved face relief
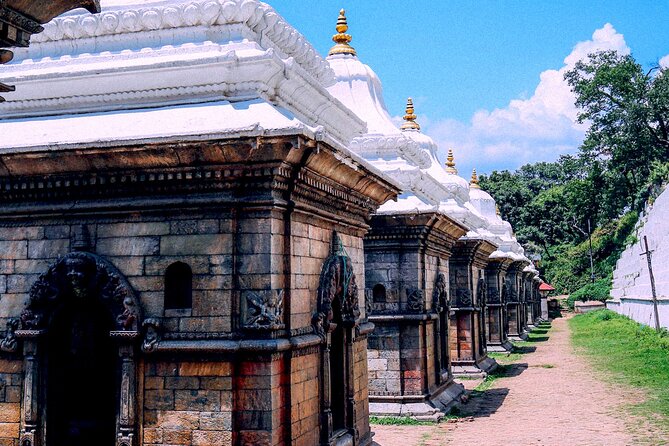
[[75, 272]]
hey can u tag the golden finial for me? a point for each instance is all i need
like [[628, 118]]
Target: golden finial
[[499, 214], [410, 118], [450, 164], [341, 39], [474, 182]]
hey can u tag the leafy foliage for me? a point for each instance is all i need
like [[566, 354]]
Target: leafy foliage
[[620, 166], [598, 290]]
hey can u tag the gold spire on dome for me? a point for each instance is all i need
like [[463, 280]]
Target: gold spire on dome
[[341, 39], [474, 182], [410, 118], [450, 164], [499, 214]]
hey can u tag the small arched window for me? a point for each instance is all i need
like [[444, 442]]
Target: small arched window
[[379, 293], [178, 286]]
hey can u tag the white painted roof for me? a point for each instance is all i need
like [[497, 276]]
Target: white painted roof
[[170, 69], [190, 122]]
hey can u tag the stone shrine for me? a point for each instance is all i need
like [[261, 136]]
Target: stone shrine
[[406, 252], [203, 222], [181, 240]]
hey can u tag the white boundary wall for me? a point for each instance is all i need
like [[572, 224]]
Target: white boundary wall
[[631, 293], [641, 309]]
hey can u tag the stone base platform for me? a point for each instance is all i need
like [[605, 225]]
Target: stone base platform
[[504, 347], [521, 337], [478, 369], [421, 408]]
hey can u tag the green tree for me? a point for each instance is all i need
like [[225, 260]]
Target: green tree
[[627, 109]]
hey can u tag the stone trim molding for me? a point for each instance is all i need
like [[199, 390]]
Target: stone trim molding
[[259, 17]]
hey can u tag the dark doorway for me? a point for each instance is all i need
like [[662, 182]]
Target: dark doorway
[[81, 376], [338, 367]]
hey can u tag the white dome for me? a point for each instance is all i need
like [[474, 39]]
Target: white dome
[[359, 88], [483, 203]]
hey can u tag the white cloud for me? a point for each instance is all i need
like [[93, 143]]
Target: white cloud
[[539, 128], [664, 62]]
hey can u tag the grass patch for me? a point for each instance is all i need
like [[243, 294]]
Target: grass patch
[[630, 354], [506, 358], [544, 366], [500, 372], [398, 421]]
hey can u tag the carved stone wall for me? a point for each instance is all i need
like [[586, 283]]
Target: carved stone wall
[[242, 364], [407, 293], [468, 285], [516, 317], [496, 310]]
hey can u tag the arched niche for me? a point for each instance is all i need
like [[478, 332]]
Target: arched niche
[[82, 314], [335, 322]]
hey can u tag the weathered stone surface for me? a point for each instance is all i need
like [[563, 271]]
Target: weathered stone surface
[[17, 249], [195, 244], [130, 246]]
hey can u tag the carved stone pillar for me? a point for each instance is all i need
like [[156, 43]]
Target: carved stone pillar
[[127, 418], [497, 329], [31, 433]]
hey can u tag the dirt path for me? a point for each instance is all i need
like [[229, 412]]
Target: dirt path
[[553, 399]]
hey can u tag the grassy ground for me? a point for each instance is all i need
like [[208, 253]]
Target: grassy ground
[[629, 354]]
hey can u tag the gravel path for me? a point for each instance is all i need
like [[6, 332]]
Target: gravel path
[[553, 399]]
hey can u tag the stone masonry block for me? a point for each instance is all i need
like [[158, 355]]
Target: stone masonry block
[[176, 245], [187, 227], [20, 283], [205, 369], [45, 249], [10, 412], [212, 438], [17, 249], [128, 246], [171, 419], [159, 399], [216, 421], [22, 233], [176, 436], [158, 265], [202, 400], [133, 229]]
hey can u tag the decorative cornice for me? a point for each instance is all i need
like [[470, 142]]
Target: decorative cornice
[[371, 146], [258, 16]]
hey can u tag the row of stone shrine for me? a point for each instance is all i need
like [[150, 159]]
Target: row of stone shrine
[[211, 235]]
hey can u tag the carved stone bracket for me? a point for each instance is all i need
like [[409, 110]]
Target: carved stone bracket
[[493, 296], [151, 328], [10, 343], [415, 300], [440, 294], [481, 289], [463, 297], [264, 309]]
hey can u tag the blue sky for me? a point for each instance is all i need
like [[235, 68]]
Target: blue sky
[[480, 71]]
